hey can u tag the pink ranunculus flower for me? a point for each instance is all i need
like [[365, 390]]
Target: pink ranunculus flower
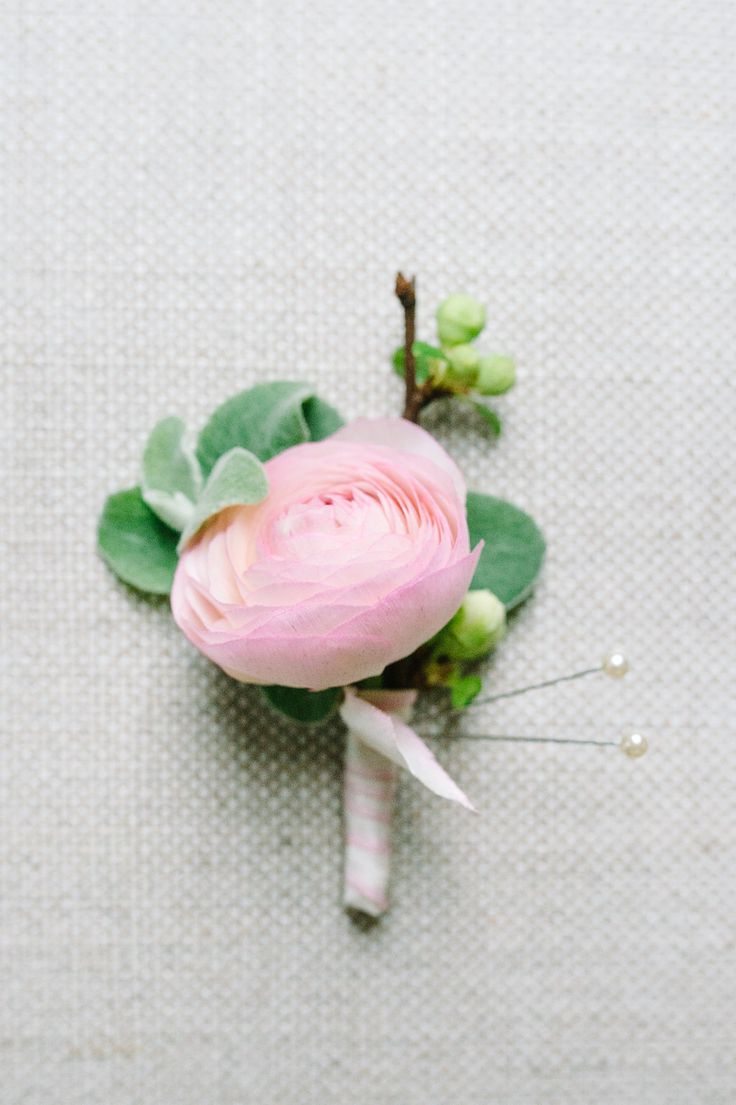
[[358, 555]]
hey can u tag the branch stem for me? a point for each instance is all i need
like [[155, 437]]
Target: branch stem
[[414, 396]]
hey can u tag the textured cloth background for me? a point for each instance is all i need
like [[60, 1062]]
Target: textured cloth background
[[198, 195]]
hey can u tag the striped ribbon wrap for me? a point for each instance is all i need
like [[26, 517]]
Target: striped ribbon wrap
[[379, 743]]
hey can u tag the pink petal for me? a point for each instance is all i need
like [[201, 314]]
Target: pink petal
[[398, 433], [285, 651]]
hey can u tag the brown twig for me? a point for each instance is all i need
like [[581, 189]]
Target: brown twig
[[406, 294], [417, 395]]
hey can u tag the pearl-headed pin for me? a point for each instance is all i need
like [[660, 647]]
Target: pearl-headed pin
[[615, 665], [634, 745]]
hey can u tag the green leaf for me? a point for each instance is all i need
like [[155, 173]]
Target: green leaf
[[302, 705], [238, 479], [488, 415], [513, 552], [171, 479], [463, 689], [266, 419], [371, 683], [422, 366], [322, 419], [423, 355], [422, 349], [136, 544]]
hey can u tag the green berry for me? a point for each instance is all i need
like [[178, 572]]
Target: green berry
[[478, 626], [464, 362], [460, 318], [496, 374]]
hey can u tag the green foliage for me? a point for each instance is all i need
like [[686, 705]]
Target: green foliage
[[237, 479], [138, 547], [426, 358], [514, 548], [463, 689], [432, 352], [265, 420], [298, 704], [489, 416], [171, 479], [322, 419], [136, 534], [371, 683]]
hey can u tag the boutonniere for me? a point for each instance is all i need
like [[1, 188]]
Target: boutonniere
[[340, 567]]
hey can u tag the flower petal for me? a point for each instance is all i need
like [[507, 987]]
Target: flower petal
[[399, 433]]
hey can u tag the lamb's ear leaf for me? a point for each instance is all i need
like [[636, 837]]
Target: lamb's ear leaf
[[238, 479], [171, 478], [266, 419], [513, 552], [322, 419], [136, 544], [302, 705]]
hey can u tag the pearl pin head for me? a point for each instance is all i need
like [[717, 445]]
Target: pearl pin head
[[616, 665], [634, 745]]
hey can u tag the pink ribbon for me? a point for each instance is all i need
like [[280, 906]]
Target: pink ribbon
[[379, 742]]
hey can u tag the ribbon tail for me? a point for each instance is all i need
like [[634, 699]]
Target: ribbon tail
[[382, 728]]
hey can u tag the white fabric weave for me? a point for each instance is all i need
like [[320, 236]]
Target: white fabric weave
[[197, 195]]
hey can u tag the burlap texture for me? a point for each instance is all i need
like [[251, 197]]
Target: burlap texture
[[198, 195]]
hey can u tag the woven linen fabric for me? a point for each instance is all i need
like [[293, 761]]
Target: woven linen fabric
[[198, 195]]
